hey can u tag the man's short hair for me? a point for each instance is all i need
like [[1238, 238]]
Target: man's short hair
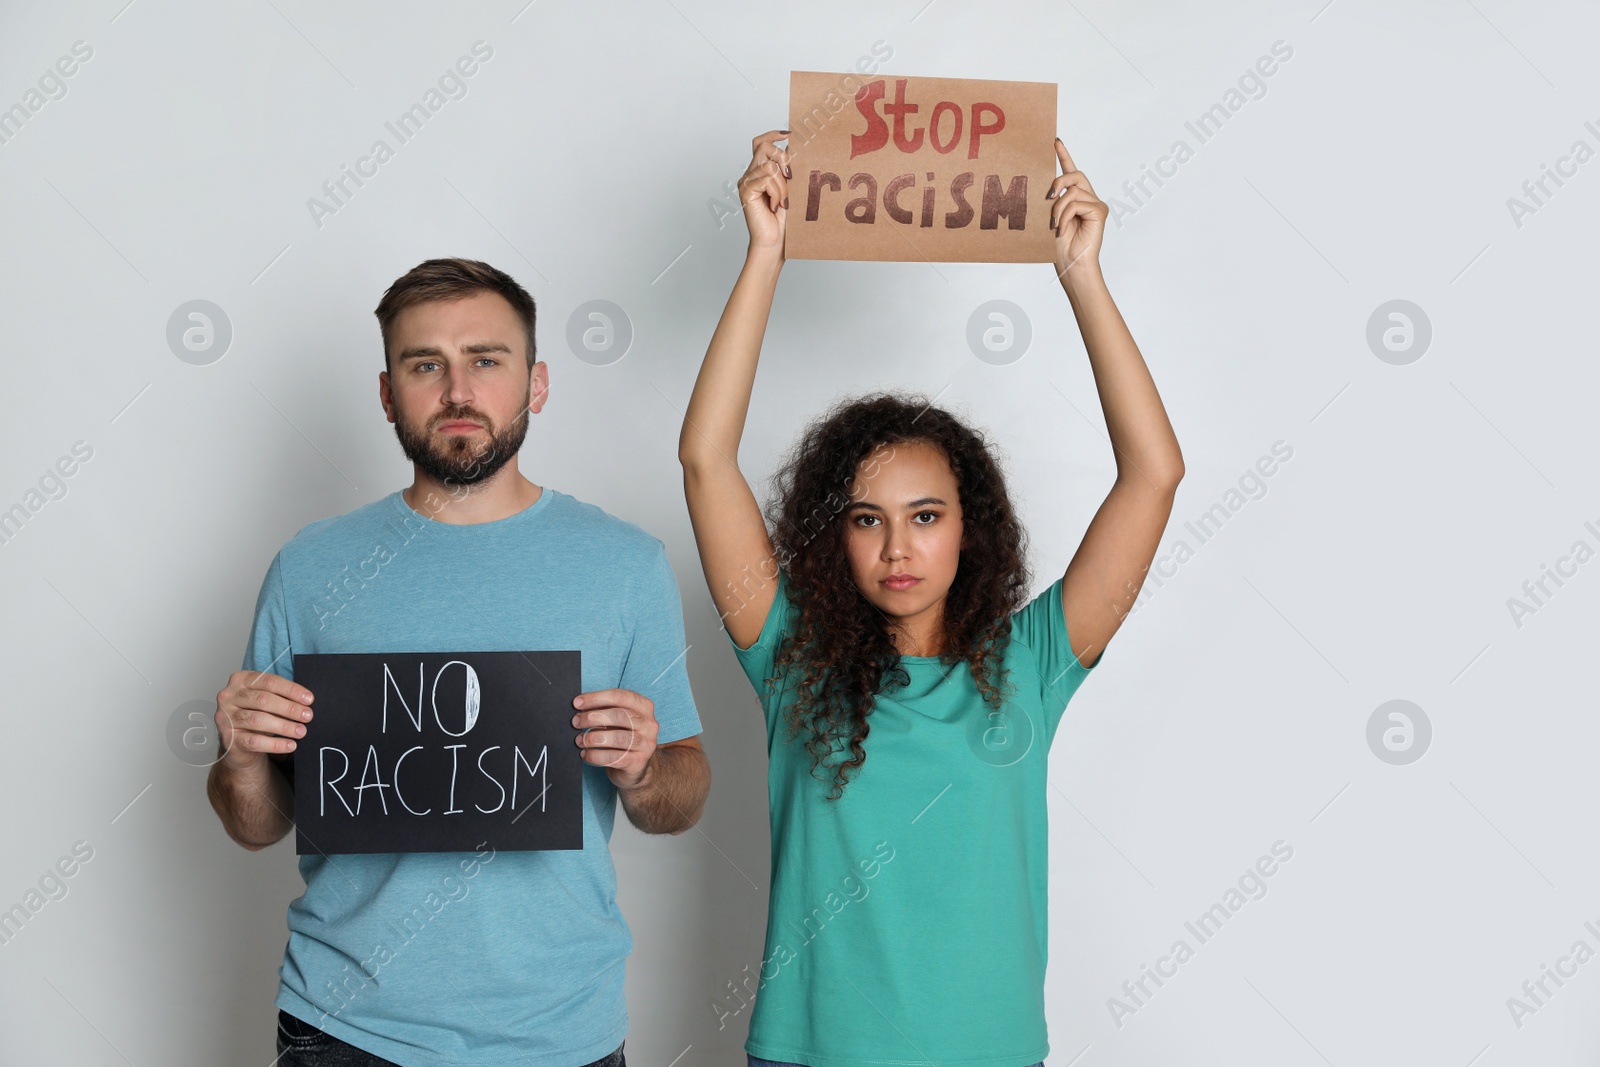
[[452, 279]]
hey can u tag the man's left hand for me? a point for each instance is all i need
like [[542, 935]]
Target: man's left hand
[[619, 733]]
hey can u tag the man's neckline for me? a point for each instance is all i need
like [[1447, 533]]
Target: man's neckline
[[493, 525]]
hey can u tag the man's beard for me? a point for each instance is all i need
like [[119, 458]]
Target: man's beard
[[461, 459]]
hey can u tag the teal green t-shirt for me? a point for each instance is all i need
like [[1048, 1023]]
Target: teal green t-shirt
[[907, 919]]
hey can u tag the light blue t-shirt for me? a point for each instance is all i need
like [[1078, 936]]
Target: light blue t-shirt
[[487, 958]]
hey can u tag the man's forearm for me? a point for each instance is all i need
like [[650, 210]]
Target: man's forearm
[[673, 793], [255, 808]]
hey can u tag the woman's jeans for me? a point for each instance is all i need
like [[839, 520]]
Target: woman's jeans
[[302, 1045], [752, 1061]]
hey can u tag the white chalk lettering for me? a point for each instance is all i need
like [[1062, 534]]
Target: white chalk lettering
[[375, 782], [396, 782], [537, 770], [492, 778], [416, 718], [322, 767], [455, 758], [474, 698]]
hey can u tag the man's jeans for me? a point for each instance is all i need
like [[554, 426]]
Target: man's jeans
[[302, 1045]]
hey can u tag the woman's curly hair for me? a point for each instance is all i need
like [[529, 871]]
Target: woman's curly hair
[[841, 644]]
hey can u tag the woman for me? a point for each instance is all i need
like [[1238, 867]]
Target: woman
[[911, 688]]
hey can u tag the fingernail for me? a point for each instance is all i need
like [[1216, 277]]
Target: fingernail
[[786, 201], [787, 173]]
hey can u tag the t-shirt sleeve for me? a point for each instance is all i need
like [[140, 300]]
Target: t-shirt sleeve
[[657, 660], [759, 661], [1042, 626], [268, 649]]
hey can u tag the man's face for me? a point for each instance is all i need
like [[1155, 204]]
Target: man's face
[[459, 393]]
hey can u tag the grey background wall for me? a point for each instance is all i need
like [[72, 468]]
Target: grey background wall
[[1245, 703]]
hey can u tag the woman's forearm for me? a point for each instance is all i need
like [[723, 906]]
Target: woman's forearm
[[714, 421], [1141, 434]]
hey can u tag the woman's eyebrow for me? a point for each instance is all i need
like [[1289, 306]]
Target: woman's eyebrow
[[917, 503]]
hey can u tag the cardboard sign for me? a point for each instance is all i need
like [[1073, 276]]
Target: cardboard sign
[[438, 752], [943, 169]]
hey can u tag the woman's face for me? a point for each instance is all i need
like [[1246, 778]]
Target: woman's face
[[903, 532]]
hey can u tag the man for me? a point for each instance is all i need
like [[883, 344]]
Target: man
[[487, 957]]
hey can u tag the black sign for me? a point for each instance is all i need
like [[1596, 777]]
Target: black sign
[[438, 752]]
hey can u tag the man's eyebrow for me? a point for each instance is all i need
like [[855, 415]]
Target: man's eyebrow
[[917, 503], [432, 351]]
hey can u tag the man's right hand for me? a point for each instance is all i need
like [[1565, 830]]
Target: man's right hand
[[260, 714]]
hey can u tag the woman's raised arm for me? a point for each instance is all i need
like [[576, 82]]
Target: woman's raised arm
[[736, 553], [1109, 567]]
